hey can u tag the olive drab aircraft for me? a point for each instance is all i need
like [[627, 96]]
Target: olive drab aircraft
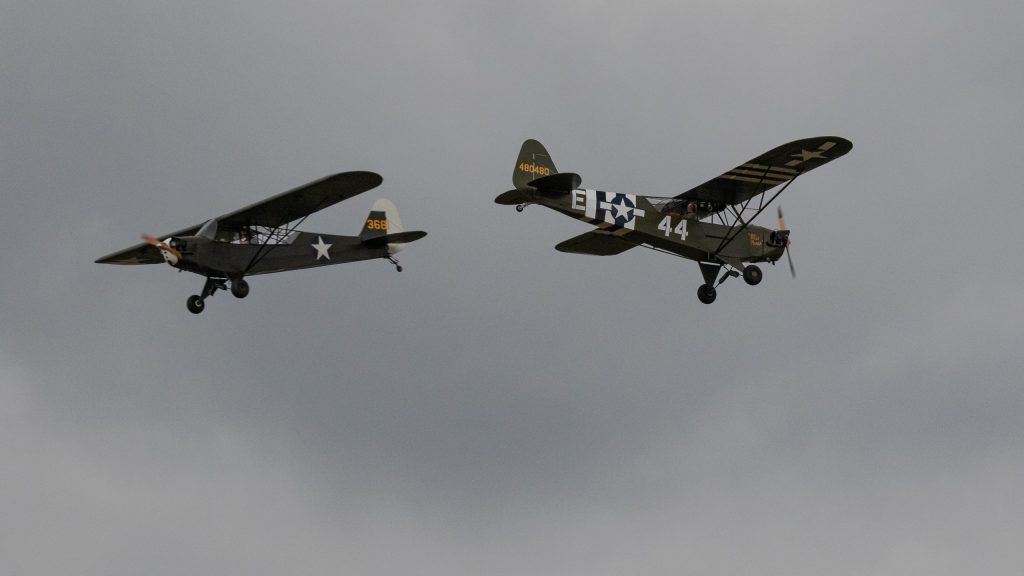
[[263, 238], [710, 224]]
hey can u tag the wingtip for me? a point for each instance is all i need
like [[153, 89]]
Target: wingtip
[[368, 179]]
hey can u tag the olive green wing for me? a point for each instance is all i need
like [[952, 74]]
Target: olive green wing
[[139, 254], [301, 202], [144, 252], [777, 166], [273, 212], [595, 242]]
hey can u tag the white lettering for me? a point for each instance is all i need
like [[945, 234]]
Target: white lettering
[[681, 229], [579, 200], [666, 225]]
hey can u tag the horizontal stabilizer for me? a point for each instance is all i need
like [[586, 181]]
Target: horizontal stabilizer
[[562, 182], [595, 242], [512, 197], [397, 238]]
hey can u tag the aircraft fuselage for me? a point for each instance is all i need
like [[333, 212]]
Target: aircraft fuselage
[[635, 219], [218, 259]]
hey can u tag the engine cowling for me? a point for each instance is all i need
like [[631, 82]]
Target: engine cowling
[[778, 238]]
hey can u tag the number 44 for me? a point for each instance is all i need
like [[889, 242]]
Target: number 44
[[666, 227]]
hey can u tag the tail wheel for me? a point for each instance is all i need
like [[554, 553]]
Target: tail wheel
[[195, 304], [707, 293], [752, 275]]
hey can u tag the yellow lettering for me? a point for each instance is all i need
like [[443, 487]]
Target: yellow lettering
[[535, 169]]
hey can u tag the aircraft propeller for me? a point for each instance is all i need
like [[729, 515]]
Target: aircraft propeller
[[171, 255], [782, 226]]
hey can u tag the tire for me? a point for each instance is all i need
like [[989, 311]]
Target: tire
[[195, 304], [707, 293], [239, 288], [752, 275]]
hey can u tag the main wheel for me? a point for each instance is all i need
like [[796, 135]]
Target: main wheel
[[752, 275], [706, 293], [195, 304], [239, 288]]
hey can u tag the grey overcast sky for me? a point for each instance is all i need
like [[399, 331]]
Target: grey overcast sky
[[500, 407]]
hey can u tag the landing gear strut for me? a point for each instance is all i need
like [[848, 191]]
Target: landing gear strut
[[707, 293], [398, 266], [196, 302]]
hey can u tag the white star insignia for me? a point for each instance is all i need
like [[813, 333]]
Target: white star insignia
[[321, 248], [618, 209], [806, 155]]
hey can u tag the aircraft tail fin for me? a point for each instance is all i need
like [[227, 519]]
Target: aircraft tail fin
[[383, 226], [382, 220], [534, 162]]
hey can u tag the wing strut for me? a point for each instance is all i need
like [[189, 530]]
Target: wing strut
[[266, 247], [733, 231]]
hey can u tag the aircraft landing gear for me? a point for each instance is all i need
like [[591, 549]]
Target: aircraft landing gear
[[752, 275], [707, 293], [239, 288], [398, 266], [196, 302], [520, 207]]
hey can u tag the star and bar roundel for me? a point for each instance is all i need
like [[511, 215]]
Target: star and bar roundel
[[612, 208]]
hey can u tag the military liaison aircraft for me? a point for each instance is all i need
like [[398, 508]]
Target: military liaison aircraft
[[262, 238], [710, 223]]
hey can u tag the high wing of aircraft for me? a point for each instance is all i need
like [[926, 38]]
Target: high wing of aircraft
[[264, 238], [710, 224]]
